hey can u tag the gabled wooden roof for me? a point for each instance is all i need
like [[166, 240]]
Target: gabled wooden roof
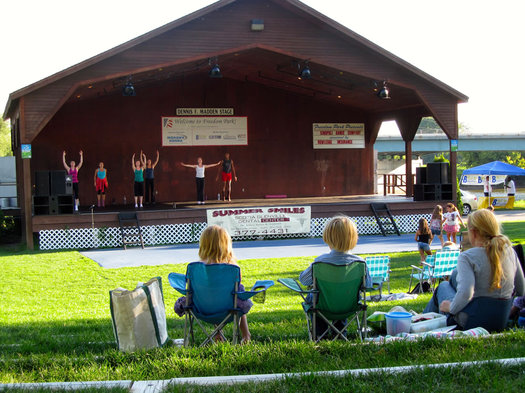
[[67, 77]]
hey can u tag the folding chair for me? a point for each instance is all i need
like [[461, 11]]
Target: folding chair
[[379, 270], [338, 293], [212, 291], [423, 273], [444, 264]]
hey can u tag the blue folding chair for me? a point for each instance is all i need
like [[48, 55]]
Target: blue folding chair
[[212, 291], [379, 269]]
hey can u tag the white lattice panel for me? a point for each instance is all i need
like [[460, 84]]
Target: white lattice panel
[[154, 235]]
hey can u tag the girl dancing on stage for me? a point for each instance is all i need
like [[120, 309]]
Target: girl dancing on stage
[[138, 186], [199, 177], [227, 170], [149, 178], [101, 183], [72, 170]]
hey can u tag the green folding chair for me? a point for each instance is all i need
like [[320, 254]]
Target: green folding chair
[[338, 294]]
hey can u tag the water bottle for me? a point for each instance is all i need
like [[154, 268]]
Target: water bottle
[[124, 199], [219, 196]]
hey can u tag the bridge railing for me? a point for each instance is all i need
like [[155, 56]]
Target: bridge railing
[[393, 183]]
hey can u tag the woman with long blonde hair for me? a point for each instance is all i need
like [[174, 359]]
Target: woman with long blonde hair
[[490, 269]]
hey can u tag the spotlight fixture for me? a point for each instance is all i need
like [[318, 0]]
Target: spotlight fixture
[[304, 72], [384, 93], [215, 71], [129, 90]]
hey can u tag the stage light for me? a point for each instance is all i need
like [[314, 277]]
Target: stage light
[[129, 90], [384, 93], [305, 72], [215, 72]]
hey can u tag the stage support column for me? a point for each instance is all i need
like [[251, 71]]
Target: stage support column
[[453, 173], [408, 166], [26, 202]]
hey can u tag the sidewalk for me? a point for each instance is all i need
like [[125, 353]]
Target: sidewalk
[[257, 249], [151, 256]]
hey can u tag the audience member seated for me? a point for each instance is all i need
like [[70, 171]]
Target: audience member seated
[[490, 269], [340, 234]]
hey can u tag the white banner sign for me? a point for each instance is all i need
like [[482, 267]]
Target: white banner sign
[[339, 135], [204, 112], [204, 131], [255, 221], [473, 180]]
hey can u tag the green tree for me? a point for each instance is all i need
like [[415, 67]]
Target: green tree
[[516, 158], [5, 139]]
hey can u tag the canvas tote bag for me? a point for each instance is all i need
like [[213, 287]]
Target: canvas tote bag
[[139, 316]]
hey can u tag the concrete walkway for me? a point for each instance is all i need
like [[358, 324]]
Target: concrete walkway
[[116, 258]]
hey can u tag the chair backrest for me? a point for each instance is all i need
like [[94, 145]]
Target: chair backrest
[[486, 312], [445, 262], [339, 288], [212, 288], [378, 266]]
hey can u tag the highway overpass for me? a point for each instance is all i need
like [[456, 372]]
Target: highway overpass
[[440, 143]]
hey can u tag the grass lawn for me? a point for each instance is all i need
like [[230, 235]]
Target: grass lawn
[[55, 326]]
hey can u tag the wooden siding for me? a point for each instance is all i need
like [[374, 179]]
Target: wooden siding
[[278, 160]]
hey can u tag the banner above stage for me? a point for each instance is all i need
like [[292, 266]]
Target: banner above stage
[[260, 221], [339, 135], [205, 131]]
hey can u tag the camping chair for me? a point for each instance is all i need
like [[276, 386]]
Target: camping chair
[[379, 270], [338, 293], [211, 296], [423, 273], [486, 312], [444, 264]]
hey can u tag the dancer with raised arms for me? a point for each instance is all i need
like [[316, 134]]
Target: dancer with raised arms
[[72, 170]]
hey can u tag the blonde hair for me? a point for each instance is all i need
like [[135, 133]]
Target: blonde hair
[[216, 246], [485, 224], [340, 234], [438, 212]]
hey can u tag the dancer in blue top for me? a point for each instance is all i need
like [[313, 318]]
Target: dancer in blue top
[[138, 187]]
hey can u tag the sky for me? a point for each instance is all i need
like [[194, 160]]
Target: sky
[[474, 46]]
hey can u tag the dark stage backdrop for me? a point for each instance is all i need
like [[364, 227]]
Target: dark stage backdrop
[[279, 158]]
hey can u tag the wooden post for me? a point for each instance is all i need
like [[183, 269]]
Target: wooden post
[[27, 192], [453, 173], [408, 164]]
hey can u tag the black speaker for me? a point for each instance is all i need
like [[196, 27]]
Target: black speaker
[[69, 185], [53, 205], [421, 175], [433, 173], [58, 182], [437, 172], [42, 183], [444, 172], [419, 192]]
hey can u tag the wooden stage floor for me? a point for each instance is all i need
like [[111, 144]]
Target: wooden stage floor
[[189, 212]]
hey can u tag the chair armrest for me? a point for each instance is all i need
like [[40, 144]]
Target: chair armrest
[[178, 282], [258, 287], [292, 284], [416, 268], [428, 265]]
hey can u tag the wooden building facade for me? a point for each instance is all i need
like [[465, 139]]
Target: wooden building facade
[[260, 46]]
